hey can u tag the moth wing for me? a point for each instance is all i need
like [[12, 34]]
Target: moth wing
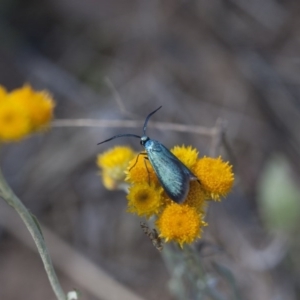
[[173, 175]]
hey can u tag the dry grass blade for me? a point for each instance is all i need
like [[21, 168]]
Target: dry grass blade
[[133, 124], [74, 265]]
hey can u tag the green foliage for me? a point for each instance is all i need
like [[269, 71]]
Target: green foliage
[[278, 195]]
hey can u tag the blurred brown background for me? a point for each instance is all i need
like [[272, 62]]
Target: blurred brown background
[[202, 60]]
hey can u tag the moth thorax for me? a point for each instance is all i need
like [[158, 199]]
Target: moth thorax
[[144, 140]]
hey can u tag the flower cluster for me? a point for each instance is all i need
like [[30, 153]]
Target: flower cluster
[[181, 223], [113, 164], [23, 111]]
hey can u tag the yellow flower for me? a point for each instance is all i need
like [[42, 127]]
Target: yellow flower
[[113, 163], [215, 175], [23, 111], [187, 155], [14, 122], [38, 105], [144, 199], [109, 182], [137, 171], [180, 223], [196, 197], [166, 199]]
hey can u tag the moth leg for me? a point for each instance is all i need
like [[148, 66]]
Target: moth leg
[[146, 158], [137, 158], [194, 178]]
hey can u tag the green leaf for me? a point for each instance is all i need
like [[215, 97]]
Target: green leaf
[[278, 195]]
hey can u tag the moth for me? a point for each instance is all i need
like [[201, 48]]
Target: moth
[[172, 174]]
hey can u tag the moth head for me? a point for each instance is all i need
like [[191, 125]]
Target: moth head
[[144, 140]]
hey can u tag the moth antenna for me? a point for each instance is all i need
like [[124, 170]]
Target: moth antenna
[[147, 119], [120, 135]]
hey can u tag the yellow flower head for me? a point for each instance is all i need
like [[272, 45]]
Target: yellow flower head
[[215, 175], [180, 223], [137, 171], [187, 155], [38, 105], [113, 163], [14, 123], [144, 199], [23, 111], [196, 197]]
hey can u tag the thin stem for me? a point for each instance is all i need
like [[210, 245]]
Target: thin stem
[[133, 124], [216, 141], [8, 195], [197, 275]]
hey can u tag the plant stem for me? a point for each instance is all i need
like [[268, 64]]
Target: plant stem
[[8, 195]]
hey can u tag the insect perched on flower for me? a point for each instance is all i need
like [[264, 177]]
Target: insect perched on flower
[[172, 174], [153, 236]]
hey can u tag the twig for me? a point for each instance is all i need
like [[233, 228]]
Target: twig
[[118, 99], [133, 124], [31, 223], [230, 152], [85, 274], [217, 136]]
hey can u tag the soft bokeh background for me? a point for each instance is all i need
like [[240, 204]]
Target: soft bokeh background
[[202, 60]]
